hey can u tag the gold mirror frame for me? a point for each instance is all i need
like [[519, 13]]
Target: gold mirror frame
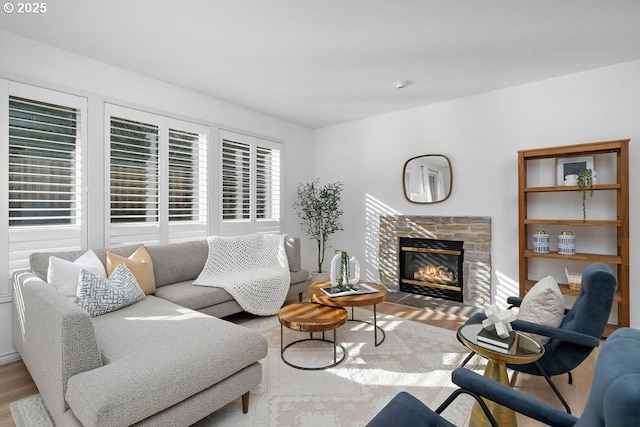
[[430, 186]]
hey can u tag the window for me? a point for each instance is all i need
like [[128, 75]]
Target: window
[[251, 184], [134, 171], [267, 183], [44, 164], [236, 181], [43, 148], [187, 176], [158, 178]]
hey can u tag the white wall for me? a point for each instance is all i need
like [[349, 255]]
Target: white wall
[[481, 136], [33, 63]]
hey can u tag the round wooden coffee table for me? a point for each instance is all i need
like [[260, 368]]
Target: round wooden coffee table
[[317, 295], [311, 317]]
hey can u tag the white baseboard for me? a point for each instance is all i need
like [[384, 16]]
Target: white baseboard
[[9, 357]]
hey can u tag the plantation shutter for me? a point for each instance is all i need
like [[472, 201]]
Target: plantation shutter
[[42, 169], [267, 183], [251, 184], [44, 164], [188, 190], [236, 181], [134, 171], [158, 178]]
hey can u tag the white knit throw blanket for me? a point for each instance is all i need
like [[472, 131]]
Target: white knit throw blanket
[[253, 268]]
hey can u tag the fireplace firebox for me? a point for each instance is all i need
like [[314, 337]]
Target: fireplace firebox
[[431, 267]]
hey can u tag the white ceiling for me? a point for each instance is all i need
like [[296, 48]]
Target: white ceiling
[[323, 62]]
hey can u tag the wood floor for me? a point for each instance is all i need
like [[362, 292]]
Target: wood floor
[[16, 383]]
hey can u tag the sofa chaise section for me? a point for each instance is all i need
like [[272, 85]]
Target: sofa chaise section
[[152, 362], [157, 355]]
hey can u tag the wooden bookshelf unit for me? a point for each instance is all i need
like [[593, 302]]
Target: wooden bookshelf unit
[[527, 224]]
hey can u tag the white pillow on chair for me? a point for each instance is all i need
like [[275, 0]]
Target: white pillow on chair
[[544, 305]]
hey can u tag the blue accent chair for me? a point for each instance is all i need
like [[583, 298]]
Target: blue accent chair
[[614, 399], [405, 410], [578, 334]]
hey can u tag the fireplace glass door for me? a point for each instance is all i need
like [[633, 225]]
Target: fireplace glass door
[[432, 267]]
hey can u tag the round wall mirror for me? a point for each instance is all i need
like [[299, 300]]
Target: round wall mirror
[[427, 178]]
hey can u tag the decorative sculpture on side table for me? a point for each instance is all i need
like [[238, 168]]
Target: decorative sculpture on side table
[[498, 320]]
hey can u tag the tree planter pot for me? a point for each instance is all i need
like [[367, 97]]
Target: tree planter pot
[[319, 277]]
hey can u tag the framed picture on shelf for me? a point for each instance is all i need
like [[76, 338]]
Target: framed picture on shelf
[[572, 166]]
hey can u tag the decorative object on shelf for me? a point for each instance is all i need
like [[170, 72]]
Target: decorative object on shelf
[[319, 209], [566, 243], [571, 179], [541, 242], [573, 279], [585, 179], [427, 178], [498, 320], [565, 168], [341, 268]]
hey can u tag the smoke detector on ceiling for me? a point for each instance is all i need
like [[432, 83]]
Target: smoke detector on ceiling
[[400, 84]]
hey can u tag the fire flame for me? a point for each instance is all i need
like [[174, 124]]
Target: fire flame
[[432, 273]]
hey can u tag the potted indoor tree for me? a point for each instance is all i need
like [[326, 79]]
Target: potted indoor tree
[[319, 208]]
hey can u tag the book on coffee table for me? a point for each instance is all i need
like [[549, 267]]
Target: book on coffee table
[[491, 338], [357, 289], [494, 348]]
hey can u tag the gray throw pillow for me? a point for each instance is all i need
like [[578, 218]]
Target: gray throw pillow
[[98, 296], [544, 305]]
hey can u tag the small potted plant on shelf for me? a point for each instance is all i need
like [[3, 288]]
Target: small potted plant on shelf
[[585, 180], [319, 208]]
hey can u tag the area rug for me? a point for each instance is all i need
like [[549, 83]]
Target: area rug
[[414, 357], [30, 411]]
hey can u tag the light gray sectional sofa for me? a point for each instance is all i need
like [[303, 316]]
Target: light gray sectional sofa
[[163, 361]]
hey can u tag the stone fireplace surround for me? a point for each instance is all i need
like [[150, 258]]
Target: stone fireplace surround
[[474, 231]]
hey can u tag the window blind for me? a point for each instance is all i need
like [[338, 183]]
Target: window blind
[[158, 178], [251, 184], [236, 180], [134, 171], [267, 183], [187, 176], [42, 155], [44, 164]]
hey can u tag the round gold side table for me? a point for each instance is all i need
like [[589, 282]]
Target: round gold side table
[[524, 350]]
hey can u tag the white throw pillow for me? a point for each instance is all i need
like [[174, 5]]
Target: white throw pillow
[[98, 295], [64, 275], [544, 305]]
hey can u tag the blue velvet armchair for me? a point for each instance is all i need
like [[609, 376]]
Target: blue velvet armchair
[[580, 330], [614, 399]]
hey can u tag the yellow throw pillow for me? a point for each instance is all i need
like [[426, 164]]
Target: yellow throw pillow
[[140, 265]]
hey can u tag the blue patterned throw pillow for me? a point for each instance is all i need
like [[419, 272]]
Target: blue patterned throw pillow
[[99, 296]]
